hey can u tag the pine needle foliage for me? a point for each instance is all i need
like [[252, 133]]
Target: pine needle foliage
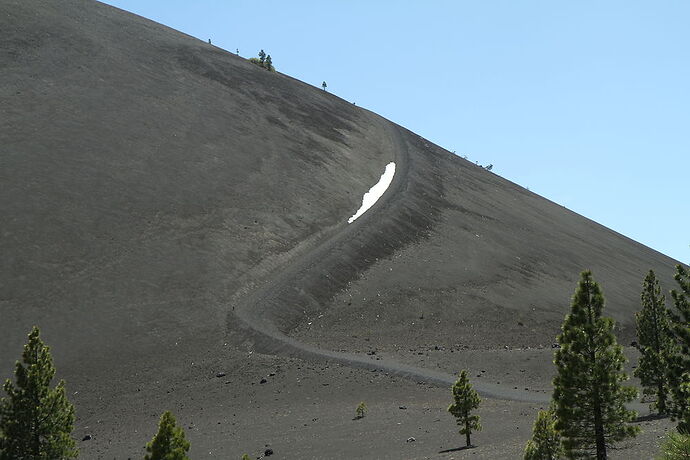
[[169, 443], [655, 343], [546, 440], [588, 395], [679, 366], [675, 447], [35, 420], [466, 399]]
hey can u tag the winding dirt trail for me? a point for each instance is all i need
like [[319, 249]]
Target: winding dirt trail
[[255, 309]]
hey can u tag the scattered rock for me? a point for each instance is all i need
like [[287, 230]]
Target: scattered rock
[[402, 407], [220, 374], [262, 381], [268, 452], [555, 345], [87, 438], [411, 439], [272, 374]]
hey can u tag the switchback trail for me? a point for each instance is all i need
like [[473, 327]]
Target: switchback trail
[[256, 309]]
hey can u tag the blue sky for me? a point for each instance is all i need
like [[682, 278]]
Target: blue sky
[[586, 103]]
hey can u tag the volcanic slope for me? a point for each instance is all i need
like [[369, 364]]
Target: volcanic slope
[[171, 211]]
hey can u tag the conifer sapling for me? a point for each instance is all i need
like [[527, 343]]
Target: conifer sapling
[[169, 443], [546, 441], [465, 400]]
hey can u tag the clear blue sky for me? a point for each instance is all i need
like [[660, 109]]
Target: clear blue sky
[[586, 103]]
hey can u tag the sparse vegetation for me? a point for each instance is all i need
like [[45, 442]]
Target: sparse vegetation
[[679, 363], [246, 457], [675, 447], [361, 410], [36, 421], [169, 443], [588, 395], [654, 342], [465, 400], [546, 441], [264, 61]]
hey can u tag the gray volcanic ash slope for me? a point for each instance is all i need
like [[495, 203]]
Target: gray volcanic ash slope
[[145, 172], [167, 202]]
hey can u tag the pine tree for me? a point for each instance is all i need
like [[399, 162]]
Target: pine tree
[[324, 85], [679, 367], [466, 399], [655, 343], [262, 58], [269, 63], [546, 441], [676, 447], [169, 443], [35, 420], [588, 395]]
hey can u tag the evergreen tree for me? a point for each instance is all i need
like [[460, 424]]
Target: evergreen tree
[[655, 343], [679, 367], [169, 443], [324, 85], [546, 441], [262, 58], [269, 63], [676, 447], [588, 395], [35, 420], [466, 399]]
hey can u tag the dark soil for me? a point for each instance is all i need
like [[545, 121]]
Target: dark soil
[[171, 213]]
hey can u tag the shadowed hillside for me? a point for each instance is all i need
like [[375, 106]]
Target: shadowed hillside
[[170, 209]]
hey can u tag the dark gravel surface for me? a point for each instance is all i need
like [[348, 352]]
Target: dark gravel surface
[[171, 213]]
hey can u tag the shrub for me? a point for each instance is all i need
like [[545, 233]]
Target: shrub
[[361, 410]]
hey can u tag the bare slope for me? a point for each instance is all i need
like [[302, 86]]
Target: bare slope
[[170, 209], [144, 173]]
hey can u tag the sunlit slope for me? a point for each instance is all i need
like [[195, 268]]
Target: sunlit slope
[[144, 173], [151, 183], [497, 268]]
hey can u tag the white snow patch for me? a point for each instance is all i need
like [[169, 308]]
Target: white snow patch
[[375, 192]]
